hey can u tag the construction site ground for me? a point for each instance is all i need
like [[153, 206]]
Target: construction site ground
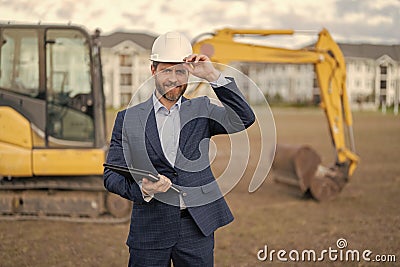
[[366, 213]]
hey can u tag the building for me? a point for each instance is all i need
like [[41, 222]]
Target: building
[[373, 74], [373, 78], [292, 83], [126, 65]]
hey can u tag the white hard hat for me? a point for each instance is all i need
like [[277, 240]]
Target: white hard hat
[[171, 47]]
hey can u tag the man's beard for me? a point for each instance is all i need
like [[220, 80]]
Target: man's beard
[[168, 91]]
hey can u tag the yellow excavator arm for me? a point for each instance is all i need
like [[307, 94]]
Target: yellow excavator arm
[[330, 70]]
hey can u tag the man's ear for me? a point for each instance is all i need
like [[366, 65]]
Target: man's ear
[[153, 70]]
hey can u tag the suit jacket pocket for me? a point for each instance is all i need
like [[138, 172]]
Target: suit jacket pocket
[[210, 187]]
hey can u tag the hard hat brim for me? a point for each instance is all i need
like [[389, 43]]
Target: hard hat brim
[[167, 60]]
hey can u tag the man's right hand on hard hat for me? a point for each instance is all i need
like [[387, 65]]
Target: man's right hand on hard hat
[[201, 66]]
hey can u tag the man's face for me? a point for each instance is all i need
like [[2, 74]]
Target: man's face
[[171, 80]]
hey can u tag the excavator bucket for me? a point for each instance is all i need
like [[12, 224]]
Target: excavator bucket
[[300, 166]]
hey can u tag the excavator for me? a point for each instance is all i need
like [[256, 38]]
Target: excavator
[[52, 126], [299, 165]]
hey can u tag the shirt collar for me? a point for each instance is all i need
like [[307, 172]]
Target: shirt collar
[[157, 104]]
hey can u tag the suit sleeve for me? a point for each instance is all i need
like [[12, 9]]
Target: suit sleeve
[[235, 115], [113, 181]]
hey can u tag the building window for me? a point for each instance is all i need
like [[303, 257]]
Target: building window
[[383, 70], [315, 83], [383, 84], [125, 60], [126, 79], [19, 63]]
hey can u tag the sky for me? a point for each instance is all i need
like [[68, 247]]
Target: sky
[[351, 21]]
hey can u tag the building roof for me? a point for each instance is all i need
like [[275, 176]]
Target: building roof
[[370, 51], [142, 39]]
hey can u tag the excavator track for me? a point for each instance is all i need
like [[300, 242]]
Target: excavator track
[[70, 199]]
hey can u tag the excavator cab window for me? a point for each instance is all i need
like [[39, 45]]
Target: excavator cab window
[[20, 62], [69, 89]]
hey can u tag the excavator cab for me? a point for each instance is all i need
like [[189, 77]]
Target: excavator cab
[[52, 121], [50, 78]]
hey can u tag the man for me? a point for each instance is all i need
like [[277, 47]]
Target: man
[[169, 135]]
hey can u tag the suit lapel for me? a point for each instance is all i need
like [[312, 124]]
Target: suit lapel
[[149, 125]]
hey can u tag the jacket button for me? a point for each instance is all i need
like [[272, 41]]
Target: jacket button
[[175, 174], [184, 194]]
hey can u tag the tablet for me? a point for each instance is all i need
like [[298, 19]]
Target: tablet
[[128, 172]]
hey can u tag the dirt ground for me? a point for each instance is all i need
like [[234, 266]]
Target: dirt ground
[[366, 213]]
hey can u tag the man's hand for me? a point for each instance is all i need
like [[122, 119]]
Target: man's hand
[[151, 188], [201, 66]]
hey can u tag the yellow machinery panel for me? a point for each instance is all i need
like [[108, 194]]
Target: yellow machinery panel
[[19, 159], [15, 161], [15, 144], [14, 128], [68, 161]]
